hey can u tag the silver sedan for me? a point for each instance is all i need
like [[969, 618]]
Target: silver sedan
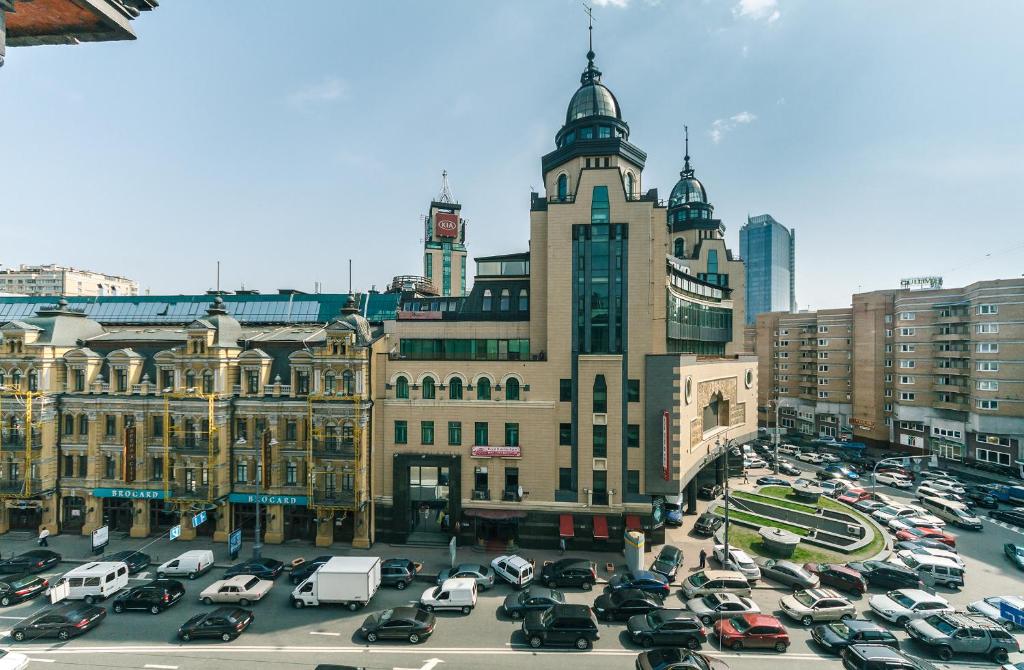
[[788, 573], [721, 606]]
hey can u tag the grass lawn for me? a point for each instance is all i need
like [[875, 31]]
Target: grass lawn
[[749, 541], [760, 520]]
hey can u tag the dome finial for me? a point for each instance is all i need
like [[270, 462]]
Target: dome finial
[[687, 168], [591, 74]]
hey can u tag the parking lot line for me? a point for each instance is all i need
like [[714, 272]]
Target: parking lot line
[[317, 632]]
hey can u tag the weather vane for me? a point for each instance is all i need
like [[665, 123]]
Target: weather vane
[[590, 23]]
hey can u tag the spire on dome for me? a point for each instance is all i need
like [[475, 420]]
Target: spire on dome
[[687, 168], [446, 191]]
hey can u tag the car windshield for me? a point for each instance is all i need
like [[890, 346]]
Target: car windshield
[[712, 600], [900, 599], [994, 601], [251, 584], [911, 561], [385, 616], [699, 579], [740, 624], [804, 598], [655, 619], [939, 623], [840, 629]]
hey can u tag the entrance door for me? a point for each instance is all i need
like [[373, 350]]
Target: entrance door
[[117, 514], [26, 518], [72, 514], [428, 499]]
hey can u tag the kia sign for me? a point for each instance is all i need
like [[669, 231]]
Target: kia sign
[[497, 452], [446, 225], [666, 446]]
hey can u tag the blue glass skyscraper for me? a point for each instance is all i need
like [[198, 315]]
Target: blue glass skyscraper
[[769, 251]]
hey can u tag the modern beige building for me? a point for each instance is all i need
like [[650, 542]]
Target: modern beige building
[[57, 280], [937, 370], [581, 382]]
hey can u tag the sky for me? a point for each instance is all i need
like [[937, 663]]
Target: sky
[[284, 138]]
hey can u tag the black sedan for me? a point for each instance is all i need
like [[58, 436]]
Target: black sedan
[[154, 597], [621, 605], [710, 491], [667, 627], [838, 635], [979, 497], [18, 588], [264, 568], [1010, 516], [668, 561], [224, 623], [787, 468], [36, 560], [62, 622], [1015, 553], [518, 603], [771, 480], [135, 560], [400, 623], [707, 523], [304, 570]]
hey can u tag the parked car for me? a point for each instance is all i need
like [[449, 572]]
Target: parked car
[[710, 491], [879, 656], [667, 627], [706, 582], [927, 533], [771, 480], [738, 560], [668, 561], [10, 660], [835, 487], [240, 589], [135, 560], [810, 457], [943, 484], [644, 580], [920, 552], [622, 604], [153, 597], [789, 449], [532, 598], [707, 523], [192, 563], [1015, 553], [32, 561], [886, 575], [955, 634], [62, 622], [843, 471], [814, 605], [224, 623], [1010, 516], [483, 575], [886, 514], [894, 479], [579, 572], [400, 623], [868, 506], [672, 658], [838, 576], [754, 463], [561, 625], [838, 635], [992, 608], [788, 573], [922, 542], [716, 606], [302, 572], [264, 568], [398, 572], [926, 491], [853, 495], [673, 515], [904, 605], [830, 458], [513, 569], [980, 497], [752, 631], [787, 468], [20, 587]]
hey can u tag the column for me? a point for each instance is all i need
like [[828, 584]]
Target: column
[[5, 514], [187, 531], [362, 535], [93, 514], [223, 528], [691, 497], [325, 530], [274, 533], [140, 519]]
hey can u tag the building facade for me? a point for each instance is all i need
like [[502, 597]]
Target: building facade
[[46, 280], [769, 251], [580, 383], [929, 371]]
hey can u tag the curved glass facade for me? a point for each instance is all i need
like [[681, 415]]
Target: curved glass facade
[[592, 100]]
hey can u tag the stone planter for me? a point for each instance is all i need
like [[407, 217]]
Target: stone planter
[[778, 542], [807, 493]]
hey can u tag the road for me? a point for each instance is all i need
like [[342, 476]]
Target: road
[[283, 637]]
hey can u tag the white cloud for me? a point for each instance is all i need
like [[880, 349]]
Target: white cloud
[[745, 51], [612, 3], [719, 127], [758, 10], [330, 89]]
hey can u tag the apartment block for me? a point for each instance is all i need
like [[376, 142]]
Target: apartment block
[[57, 280]]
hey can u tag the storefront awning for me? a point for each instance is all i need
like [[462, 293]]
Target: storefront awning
[[600, 528], [633, 522], [495, 514], [565, 526]]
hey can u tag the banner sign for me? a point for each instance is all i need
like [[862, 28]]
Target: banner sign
[[268, 499], [446, 225], [175, 532], [100, 538], [134, 494], [1011, 613], [129, 467], [497, 452], [666, 446], [235, 543], [199, 519]]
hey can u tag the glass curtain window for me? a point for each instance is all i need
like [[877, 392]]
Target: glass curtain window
[[713, 261], [679, 248], [599, 209], [563, 186]]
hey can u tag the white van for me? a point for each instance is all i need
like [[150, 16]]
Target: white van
[[95, 581], [952, 511], [457, 593], [935, 571], [192, 563], [515, 570]]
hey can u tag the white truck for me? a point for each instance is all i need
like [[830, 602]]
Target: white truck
[[344, 580]]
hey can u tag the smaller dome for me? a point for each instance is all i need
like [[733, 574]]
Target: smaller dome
[[688, 189]]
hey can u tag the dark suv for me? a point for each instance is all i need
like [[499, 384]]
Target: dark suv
[[154, 597], [667, 627], [569, 572], [887, 575], [880, 657], [398, 572], [951, 635], [562, 625]]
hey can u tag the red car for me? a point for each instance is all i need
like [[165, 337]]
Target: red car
[[926, 534], [897, 469], [851, 496], [839, 576], [752, 630]]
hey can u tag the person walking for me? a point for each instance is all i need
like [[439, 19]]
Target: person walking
[[703, 558], [43, 534], [745, 480]]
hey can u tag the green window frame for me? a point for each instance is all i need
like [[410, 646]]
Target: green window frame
[[600, 441], [512, 389], [483, 389], [565, 434], [401, 432], [455, 389], [426, 432], [480, 434], [600, 395], [402, 388], [633, 436], [599, 208], [633, 390], [454, 433], [511, 434], [565, 390], [429, 388]]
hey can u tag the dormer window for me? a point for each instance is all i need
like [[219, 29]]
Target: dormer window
[[487, 300], [167, 379], [329, 383], [252, 381], [120, 380], [78, 379], [503, 305], [302, 382]]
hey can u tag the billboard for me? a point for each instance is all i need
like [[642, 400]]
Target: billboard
[[129, 468], [446, 224], [100, 538], [499, 452]]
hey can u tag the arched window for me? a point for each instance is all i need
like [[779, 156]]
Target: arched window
[[190, 379], [208, 381], [455, 389], [503, 305], [33, 380], [629, 185], [599, 205], [524, 300], [429, 392], [487, 300], [483, 389], [563, 186], [402, 388], [512, 389], [329, 382], [679, 250], [600, 395], [713, 262], [348, 383], [713, 412], [16, 379]]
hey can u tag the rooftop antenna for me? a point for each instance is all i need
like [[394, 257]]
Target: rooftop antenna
[[446, 191], [687, 169], [590, 25], [350, 276], [218, 277]]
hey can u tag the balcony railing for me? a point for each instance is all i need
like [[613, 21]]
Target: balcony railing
[[957, 406], [481, 494], [15, 486], [334, 498], [953, 354], [952, 337], [340, 451], [953, 318], [949, 388]]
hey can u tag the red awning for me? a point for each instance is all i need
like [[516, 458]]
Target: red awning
[[633, 522], [496, 514], [565, 528], [600, 528]]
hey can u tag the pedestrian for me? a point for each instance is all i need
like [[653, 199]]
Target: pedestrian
[[561, 545], [745, 480], [703, 558], [43, 534]]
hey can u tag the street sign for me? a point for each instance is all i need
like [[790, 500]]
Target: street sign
[[100, 538], [59, 592], [451, 550], [175, 532], [198, 520], [1011, 613], [235, 543]]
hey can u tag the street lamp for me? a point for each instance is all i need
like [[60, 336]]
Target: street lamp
[[725, 554], [257, 546]]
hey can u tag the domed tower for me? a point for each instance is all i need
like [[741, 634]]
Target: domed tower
[[690, 215]]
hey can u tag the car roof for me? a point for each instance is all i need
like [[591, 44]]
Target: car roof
[[461, 567], [862, 624], [404, 612], [762, 619], [570, 610], [230, 612], [819, 594], [877, 651], [238, 580]]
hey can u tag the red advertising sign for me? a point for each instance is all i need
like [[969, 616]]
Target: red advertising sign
[[446, 224], [498, 452], [666, 446]]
